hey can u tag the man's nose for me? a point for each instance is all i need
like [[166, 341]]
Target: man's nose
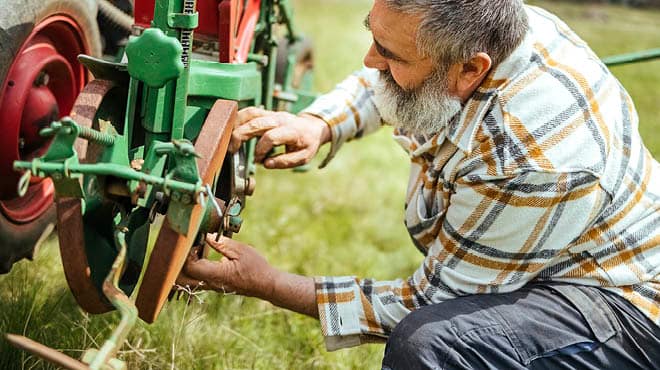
[[374, 60]]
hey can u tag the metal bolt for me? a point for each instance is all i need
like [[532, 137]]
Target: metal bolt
[[251, 184], [137, 164], [186, 199], [176, 196], [57, 176], [235, 223]]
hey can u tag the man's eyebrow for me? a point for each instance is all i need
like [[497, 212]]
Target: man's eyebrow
[[386, 53], [383, 51]]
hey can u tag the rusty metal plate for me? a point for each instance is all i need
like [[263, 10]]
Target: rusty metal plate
[[171, 248], [69, 210]]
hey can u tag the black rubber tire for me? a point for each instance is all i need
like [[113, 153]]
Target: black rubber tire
[[304, 60], [114, 36], [17, 20], [18, 241]]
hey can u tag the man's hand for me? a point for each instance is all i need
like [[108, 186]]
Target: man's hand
[[302, 135], [244, 271]]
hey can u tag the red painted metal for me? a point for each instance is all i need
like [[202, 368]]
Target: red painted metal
[[40, 110], [51, 48], [246, 30], [143, 12], [208, 17], [228, 21], [227, 30]]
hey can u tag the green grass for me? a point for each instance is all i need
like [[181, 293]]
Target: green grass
[[344, 220]]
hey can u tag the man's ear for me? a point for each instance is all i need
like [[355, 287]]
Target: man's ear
[[471, 74]]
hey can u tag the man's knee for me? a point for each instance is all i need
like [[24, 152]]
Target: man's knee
[[419, 341], [452, 334]]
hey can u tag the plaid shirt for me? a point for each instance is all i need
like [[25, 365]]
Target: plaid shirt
[[541, 177]]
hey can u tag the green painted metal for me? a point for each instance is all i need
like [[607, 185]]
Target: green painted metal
[[155, 58], [212, 80], [183, 21], [45, 169], [640, 56]]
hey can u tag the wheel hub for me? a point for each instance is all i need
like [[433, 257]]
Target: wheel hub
[[41, 85]]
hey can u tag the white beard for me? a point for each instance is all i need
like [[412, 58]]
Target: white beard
[[424, 110]]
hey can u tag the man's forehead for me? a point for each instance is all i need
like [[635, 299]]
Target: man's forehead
[[394, 30]]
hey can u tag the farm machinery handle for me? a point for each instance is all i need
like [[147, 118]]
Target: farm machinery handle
[[149, 136]]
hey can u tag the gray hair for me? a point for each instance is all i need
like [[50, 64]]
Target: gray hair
[[453, 31]]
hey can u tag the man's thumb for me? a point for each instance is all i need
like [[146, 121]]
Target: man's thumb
[[225, 246]]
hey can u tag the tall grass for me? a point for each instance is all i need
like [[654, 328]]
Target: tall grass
[[344, 220]]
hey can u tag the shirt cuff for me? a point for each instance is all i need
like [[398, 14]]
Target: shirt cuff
[[335, 116], [339, 305]]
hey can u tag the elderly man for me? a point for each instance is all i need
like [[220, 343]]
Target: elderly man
[[531, 196]]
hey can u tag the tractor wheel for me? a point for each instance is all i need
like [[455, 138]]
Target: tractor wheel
[[40, 77], [304, 63], [301, 74]]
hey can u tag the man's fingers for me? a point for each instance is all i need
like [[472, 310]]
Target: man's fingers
[[278, 136], [203, 269], [225, 246], [255, 127], [250, 113], [288, 160], [184, 281]]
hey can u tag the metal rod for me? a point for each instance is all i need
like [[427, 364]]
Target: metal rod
[[47, 353], [118, 299], [108, 169], [639, 56]]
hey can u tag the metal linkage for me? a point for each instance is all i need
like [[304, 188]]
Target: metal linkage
[[108, 169], [104, 357], [68, 126]]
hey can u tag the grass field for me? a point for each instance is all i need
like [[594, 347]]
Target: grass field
[[344, 220]]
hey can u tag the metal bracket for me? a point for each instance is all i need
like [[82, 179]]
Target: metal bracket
[[183, 21]]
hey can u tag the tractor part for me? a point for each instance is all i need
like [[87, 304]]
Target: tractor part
[[172, 248], [40, 78], [295, 63], [116, 21], [117, 14], [293, 75], [104, 357], [53, 356], [99, 100], [640, 56]]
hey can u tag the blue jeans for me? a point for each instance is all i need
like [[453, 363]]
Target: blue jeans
[[540, 326]]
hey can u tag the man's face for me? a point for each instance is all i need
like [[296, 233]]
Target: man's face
[[413, 93]]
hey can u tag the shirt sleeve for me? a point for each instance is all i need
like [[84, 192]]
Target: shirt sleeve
[[497, 235], [349, 109]]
